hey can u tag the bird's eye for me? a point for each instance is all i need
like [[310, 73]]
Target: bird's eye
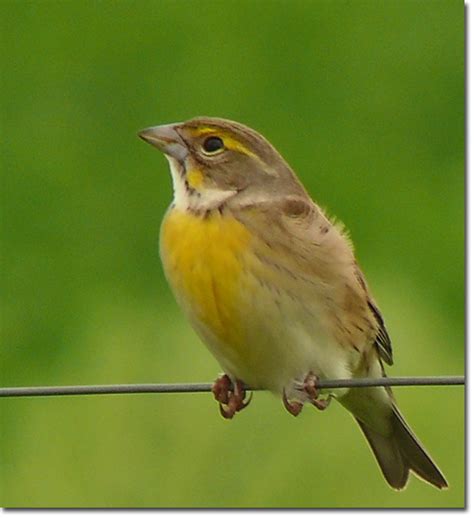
[[212, 145]]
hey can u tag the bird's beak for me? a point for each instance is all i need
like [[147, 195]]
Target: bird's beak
[[166, 139]]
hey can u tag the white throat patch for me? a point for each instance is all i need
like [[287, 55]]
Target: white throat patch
[[181, 195]]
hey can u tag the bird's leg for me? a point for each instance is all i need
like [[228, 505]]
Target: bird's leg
[[310, 387], [221, 388], [230, 396]]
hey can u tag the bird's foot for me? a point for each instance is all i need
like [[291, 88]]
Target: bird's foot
[[310, 387], [309, 391], [294, 407], [230, 396]]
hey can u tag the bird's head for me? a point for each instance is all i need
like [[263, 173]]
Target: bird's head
[[215, 160]]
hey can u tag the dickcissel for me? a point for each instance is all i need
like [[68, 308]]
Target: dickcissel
[[272, 287]]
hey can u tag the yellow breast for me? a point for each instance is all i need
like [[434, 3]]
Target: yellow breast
[[202, 258]]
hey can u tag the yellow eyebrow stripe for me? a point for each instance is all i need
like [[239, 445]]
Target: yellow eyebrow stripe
[[235, 145], [202, 130], [229, 141]]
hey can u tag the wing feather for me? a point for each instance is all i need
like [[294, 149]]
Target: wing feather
[[307, 243]]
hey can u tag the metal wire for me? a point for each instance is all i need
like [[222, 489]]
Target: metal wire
[[173, 388]]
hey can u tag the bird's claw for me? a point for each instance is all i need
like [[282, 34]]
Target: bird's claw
[[230, 396], [309, 387], [294, 407]]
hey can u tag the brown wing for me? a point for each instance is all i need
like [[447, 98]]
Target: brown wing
[[382, 340], [306, 244]]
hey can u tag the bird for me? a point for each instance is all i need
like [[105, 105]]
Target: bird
[[271, 285]]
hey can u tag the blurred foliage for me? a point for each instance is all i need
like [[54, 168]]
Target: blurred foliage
[[363, 98]]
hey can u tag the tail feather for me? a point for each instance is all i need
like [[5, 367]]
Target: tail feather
[[400, 452], [389, 457]]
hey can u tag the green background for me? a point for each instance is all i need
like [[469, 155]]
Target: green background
[[365, 101]]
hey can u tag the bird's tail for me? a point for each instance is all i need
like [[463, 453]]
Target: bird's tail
[[400, 451]]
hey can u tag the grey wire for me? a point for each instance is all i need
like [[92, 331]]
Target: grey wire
[[174, 388]]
